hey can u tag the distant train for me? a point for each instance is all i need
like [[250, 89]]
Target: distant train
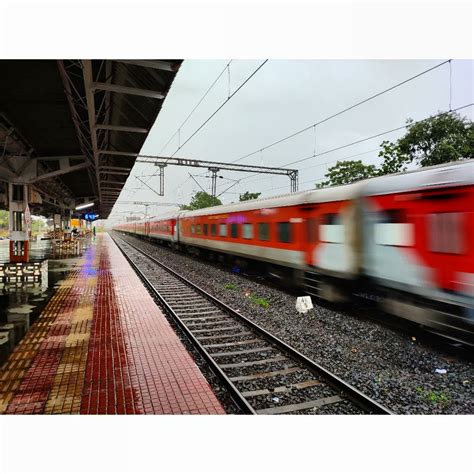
[[406, 237]]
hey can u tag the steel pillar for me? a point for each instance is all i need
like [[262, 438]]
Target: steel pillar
[[162, 179], [293, 174], [214, 172], [19, 221]]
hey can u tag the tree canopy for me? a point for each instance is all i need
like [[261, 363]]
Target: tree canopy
[[345, 172], [3, 223], [200, 200], [440, 139], [248, 196]]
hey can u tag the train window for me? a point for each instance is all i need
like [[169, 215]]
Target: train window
[[192, 228], [263, 231], [284, 232], [392, 216], [331, 219], [247, 231], [204, 229], [312, 228], [213, 229], [198, 229], [222, 230], [234, 230], [445, 232]]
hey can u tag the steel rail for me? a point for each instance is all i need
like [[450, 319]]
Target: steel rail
[[351, 393], [235, 394]]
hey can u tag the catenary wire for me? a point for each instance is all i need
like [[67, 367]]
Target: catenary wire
[[364, 139], [218, 109], [341, 111]]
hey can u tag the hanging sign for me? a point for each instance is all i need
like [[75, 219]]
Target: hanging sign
[[27, 218]]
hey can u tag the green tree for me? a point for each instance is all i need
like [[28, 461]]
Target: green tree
[[3, 219], [3, 223], [37, 226], [440, 139], [249, 196], [201, 200], [345, 172]]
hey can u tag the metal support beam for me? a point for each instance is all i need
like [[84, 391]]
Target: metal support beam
[[88, 86], [121, 128], [112, 183], [123, 173], [65, 170], [127, 90], [293, 180], [157, 160], [161, 65], [56, 158], [214, 172], [117, 153], [162, 179], [107, 168], [215, 166]]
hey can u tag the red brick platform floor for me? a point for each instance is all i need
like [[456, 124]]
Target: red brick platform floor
[[100, 346]]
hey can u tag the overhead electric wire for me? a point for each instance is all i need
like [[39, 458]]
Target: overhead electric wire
[[377, 135], [220, 107], [192, 111], [366, 139], [319, 164], [341, 112], [196, 106]]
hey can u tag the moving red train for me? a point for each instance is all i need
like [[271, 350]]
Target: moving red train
[[405, 237]]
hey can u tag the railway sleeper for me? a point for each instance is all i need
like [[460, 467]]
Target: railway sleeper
[[263, 375], [253, 362], [300, 406], [230, 344], [244, 351], [281, 389], [223, 337], [214, 323], [228, 328], [204, 318]]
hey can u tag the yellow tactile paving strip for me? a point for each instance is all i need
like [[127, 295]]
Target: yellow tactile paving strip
[[45, 372], [101, 345], [66, 390]]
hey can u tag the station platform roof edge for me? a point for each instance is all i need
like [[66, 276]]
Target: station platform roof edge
[[72, 128]]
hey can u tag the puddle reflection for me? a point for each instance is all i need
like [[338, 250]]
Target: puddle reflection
[[22, 302]]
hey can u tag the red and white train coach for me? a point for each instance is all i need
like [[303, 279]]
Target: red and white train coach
[[418, 244], [163, 227], [292, 235], [408, 235]]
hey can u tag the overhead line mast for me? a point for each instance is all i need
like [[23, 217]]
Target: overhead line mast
[[214, 167]]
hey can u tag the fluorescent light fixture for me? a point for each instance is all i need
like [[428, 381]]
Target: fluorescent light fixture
[[84, 206]]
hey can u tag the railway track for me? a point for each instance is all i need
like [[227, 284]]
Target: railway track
[[262, 374], [367, 309]]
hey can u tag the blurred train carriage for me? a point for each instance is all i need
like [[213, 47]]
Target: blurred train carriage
[[405, 236], [418, 245]]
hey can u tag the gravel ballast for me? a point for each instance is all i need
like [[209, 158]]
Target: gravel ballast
[[387, 365]]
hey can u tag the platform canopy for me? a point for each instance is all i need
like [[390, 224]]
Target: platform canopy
[[72, 128]]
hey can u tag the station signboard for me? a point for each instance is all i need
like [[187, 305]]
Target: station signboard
[[88, 216]]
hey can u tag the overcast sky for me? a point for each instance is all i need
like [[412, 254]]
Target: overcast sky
[[283, 97]]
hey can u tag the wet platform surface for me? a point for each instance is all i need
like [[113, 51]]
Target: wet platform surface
[[101, 345]]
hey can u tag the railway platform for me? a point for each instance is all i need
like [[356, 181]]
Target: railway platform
[[102, 346]]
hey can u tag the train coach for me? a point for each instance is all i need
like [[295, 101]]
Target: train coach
[[418, 245], [406, 237]]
